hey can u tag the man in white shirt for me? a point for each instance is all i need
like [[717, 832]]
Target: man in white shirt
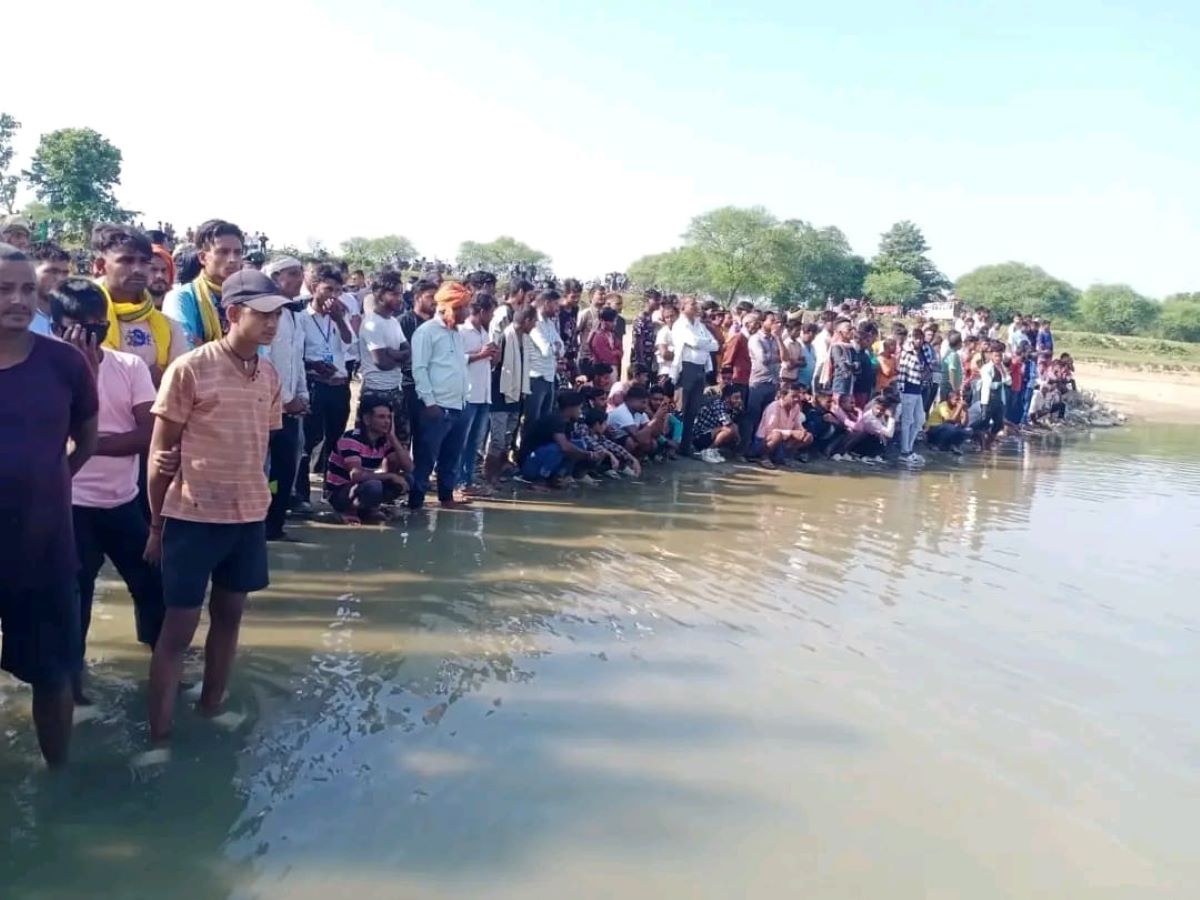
[[664, 341], [384, 350], [326, 336], [545, 349], [287, 355], [108, 520], [820, 344], [439, 366], [693, 346], [482, 354]]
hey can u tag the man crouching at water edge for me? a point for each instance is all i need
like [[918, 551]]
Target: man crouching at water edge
[[47, 397], [552, 454], [781, 430], [369, 467], [218, 404]]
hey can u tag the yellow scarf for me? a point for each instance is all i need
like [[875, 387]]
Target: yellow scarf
[[206, 299], [160, 328]]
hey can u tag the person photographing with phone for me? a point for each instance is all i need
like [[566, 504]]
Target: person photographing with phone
[[108, 519]]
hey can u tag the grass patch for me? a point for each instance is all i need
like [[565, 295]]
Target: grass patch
[[1136, 352]]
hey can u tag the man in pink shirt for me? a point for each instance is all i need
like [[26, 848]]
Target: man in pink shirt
[[780, 431], [108, 519]]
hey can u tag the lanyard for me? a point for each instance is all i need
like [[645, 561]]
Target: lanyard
[[326, 333]]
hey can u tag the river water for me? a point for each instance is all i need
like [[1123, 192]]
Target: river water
[[977, 681]]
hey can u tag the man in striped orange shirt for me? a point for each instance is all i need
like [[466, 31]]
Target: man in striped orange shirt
[[217, 406]]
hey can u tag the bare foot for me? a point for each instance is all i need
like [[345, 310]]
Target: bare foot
[[349, 519], [455, 504]]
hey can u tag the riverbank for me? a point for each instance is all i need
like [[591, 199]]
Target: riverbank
[[1144, 396]]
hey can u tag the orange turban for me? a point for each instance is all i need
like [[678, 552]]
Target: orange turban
[[452, 295], [162, 253]]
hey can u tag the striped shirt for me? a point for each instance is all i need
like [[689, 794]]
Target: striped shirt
[[351, 446], [227, 417]]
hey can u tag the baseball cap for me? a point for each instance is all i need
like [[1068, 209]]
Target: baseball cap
[[252, 288], [12, 223], [282, 264]]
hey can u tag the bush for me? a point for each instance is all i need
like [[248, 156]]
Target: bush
[[1180, 320]]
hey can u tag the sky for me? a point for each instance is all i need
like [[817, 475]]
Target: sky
[[1064, 134]]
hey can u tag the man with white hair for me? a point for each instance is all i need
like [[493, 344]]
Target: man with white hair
[[287, 355]]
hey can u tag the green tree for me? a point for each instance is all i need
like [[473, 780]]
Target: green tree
[[903, 248], [74, 171], [681, 270], [371, 253], [811, 265], [738, 247], [8, 183], [892, 288], [1012, 287], [498, 255], [1116, 309], [1179, 319]]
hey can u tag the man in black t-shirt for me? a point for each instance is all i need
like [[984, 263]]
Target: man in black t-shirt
[[548, 452]]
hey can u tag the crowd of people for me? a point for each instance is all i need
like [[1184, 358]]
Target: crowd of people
[[179, 408]]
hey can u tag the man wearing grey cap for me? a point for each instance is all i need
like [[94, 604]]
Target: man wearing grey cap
[[287, 355], [16, 231], [215, 409]]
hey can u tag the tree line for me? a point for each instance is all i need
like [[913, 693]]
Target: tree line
[[746, 252]]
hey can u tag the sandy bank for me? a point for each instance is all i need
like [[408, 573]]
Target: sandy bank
[[1149, 396]]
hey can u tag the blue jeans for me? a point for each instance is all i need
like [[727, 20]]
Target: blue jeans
[[439, 444], [476, 415], [541, 399], [544, 462]]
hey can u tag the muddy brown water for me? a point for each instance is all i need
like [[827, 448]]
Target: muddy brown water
[[977, 681]]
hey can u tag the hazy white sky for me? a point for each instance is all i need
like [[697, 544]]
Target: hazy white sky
[[1065, 138]]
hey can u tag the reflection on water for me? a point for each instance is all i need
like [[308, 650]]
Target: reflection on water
[[975, 681]]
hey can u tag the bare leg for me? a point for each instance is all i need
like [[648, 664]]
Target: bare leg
[[52, 711], [225, 621], [166, 668]]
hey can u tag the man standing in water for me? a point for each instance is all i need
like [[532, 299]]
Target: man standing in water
[[287, 355], [693, 344], [197, 306], [108, 519], [47, 397], [218, 405], [439, 364]]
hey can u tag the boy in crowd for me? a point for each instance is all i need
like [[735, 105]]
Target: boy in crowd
[[605, 344], [197, 305], [589, 432], [424, 307], [287, 356], [482, 354], [122, 269], [369, 467], [106, 514], [947, 424], [218, 405], [326, 336], [510, 385], [384, 349], [47, 398], [637, 432], [716, 424], [53, 265], [551, 453]]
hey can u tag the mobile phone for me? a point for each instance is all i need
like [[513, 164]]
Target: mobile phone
[[96, 332]]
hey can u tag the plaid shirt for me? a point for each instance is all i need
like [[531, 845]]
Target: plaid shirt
[[644, 334], [916, 368], [713, 415], [568, 330], [582, 435]]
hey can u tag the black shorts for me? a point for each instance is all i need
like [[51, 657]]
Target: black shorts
[[703, 441], [43, 640], [234, 555]]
